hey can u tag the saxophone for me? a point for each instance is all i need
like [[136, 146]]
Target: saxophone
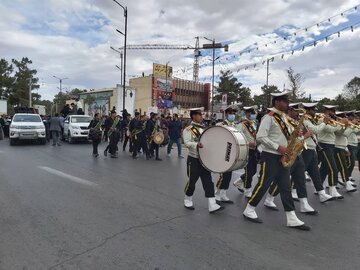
[[294, 146]]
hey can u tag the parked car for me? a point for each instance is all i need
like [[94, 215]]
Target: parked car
[[26, 126], [76, 127]]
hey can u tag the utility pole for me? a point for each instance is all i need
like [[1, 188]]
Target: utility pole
[[267, 72], [60, 81], [30, 96], [213, 46]]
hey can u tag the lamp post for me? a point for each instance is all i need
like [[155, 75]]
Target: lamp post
[[125, 40], [121, 63], [30, 96], [213, 46], [60, 81]]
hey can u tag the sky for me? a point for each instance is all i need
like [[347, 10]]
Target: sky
[[72, 39]]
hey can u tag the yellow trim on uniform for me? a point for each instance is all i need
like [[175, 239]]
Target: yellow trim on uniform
[[188, 182], [260, 183], [219, 182], [342, 168], [348, 165], [273, 193], [331, 170]]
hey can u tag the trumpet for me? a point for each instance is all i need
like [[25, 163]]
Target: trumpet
[[349, 124], [332, 122]]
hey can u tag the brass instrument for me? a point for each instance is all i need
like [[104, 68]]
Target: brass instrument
[[332, 122], [349, 124], [294, 146]]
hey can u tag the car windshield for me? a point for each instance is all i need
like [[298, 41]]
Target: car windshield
[[27, 118], [80, 119]]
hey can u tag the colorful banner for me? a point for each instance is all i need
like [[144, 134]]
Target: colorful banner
[[163, 93]]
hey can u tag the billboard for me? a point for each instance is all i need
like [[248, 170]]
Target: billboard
[[163, 93], [162, 70]]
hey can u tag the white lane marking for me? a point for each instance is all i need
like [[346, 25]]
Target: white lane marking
[[68, 176]]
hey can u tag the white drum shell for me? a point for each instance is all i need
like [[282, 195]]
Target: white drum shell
[[225, 149]]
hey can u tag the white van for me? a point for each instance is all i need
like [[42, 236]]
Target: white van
[[25, 126], [76, 127]]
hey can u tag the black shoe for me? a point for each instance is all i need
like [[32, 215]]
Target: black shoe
[[158, 159], [105, 153], [301, 227], [226, 202], [353, 190], [217, 210], [311, 213], [271, 208], [255, 220]]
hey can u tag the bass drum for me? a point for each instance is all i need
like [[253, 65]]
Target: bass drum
[[225, 149]]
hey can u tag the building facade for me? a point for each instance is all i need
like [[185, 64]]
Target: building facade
[[169, 94]]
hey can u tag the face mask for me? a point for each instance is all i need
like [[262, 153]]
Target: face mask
[[231, 117], [253, 117]]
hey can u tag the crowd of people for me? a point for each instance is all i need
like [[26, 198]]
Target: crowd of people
[[137, 133]]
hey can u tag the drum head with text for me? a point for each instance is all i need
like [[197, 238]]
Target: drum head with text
[[221, 149]]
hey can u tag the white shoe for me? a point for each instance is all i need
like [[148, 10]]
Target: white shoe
[[188, 203], [349, 187], [324, 197], [213, 206], [247, 192], [294, 194], [250, 214], [168, 155], [307, 177], [293, 221], [220, 195], [239, 184], [333, 193], [269, 202], [306, 208]]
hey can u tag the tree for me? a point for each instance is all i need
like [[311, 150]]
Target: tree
[[24, 76], [295, 81], [265, 98], [235, 91], [6, 80], [352, 88]]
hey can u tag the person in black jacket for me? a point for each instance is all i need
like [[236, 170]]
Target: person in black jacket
[[125, 127], [175, 128], [137, 129], [95, 133], [152, 126]]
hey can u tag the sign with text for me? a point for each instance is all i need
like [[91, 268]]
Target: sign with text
[[162, 70]]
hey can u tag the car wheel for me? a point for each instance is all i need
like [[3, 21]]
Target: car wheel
[[12, 141], [70, 139]]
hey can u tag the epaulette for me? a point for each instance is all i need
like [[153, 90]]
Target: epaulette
[[188, 127], [271, 113]]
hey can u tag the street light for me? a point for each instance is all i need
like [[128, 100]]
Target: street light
[[60, 81], [121, 63], [213, 46], [125, 40]]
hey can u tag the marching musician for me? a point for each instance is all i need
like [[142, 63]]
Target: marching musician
[[112, 125], [341, 143], [310, 155], [152, 126], [195, 169], [138, 136], [248, 128], [352, 142], [297, 171], [223, 183], [326, 139], [273, 134]]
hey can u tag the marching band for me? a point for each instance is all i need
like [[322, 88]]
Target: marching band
[[291, 139]]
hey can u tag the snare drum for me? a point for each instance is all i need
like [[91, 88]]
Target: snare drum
[[225, 149]]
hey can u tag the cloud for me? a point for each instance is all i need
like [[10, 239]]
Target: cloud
[[73, 38]]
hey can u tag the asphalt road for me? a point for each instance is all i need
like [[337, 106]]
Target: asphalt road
[[62, 209]]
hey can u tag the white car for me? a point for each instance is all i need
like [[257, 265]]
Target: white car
[[76, 127], [25, 126]]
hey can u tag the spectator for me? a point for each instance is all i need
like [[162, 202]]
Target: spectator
[[55, 129], [66, 110], [175, 127]]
